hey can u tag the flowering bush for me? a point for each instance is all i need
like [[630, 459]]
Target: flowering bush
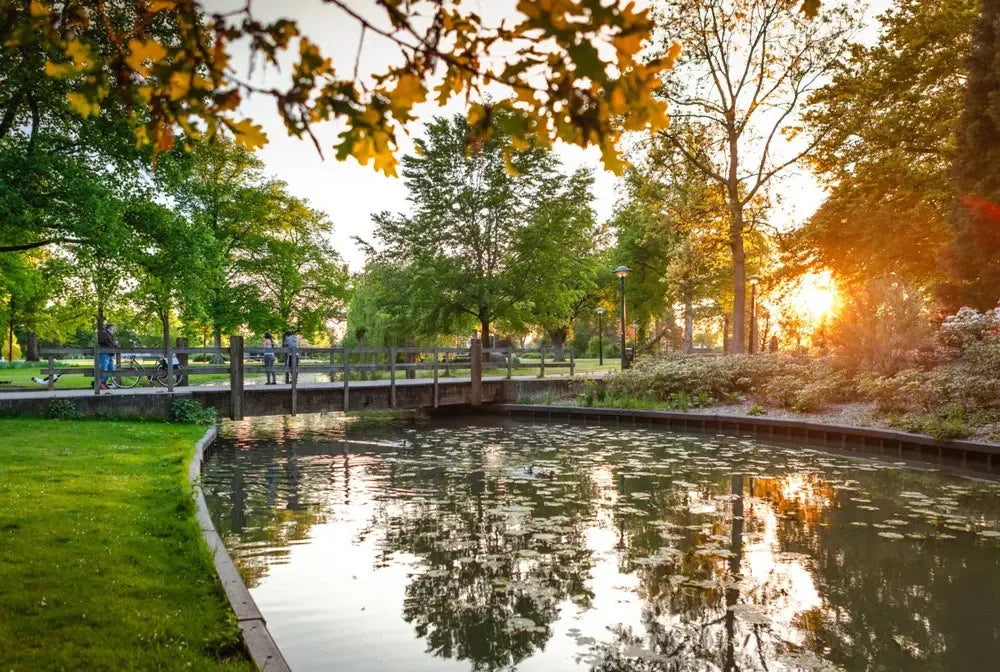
[[969, 326]]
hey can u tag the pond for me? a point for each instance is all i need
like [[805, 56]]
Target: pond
[[489, 544]]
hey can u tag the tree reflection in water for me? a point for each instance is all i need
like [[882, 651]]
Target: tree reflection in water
[[739, 556]]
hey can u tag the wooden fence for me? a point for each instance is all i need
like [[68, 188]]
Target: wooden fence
[[336, 362]]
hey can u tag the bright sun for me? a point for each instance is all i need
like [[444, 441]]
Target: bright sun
[[815, 296]]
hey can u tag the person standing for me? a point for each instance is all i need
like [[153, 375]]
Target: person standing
[[290, 340], [106, 339], [272, 377]]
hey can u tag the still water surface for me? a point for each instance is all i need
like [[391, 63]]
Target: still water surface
[[499, 545]]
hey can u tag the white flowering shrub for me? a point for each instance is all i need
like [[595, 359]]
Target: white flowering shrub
[[968, 326]]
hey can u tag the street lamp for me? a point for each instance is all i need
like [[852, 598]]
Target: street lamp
[[753, 279], [622, 272], [600, 334]]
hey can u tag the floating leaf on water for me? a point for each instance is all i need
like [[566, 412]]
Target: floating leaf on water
[[908, 645]]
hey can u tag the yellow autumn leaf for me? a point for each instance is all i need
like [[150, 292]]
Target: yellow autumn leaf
[[385, 163], [142, 50], [38, 9], [80, 54], [161, 5], [619, 104], [180, 84], [248, 134], [409, 91], [82, 105], [673, 54], [58, 70]]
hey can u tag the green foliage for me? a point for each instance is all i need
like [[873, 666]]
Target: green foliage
[[975, 254], [756, 410], [889, 170], [188, 411], [62, 409], [491, 238]]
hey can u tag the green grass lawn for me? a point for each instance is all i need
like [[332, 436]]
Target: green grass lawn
[[21, 377], [101, 561]]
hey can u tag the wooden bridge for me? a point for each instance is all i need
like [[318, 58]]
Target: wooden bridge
[[358, 379]]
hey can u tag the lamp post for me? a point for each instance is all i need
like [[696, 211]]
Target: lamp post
[[753, 279], [622, 273], [600, 334]]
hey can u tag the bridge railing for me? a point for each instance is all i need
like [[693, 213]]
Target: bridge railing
[[173, 366]]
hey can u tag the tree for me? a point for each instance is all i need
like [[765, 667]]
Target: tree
[[301, 278], [746, 68], [222, 188], [889, 116], [167, 65], [170, 261], [975, 254], [489, 237]]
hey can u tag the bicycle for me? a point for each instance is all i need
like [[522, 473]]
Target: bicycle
[[132, 371]]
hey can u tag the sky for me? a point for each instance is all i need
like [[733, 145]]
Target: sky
[[350, 193]]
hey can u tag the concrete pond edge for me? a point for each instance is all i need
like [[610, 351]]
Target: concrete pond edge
[[977, 458], [263, 650]]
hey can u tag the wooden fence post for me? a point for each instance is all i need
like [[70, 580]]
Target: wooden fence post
[[476, 372], [347, 355], [170, 371], [411, 358], [294, 354], [392, 377], [435, 377], [235, 377], [182, 344], [97, 366]]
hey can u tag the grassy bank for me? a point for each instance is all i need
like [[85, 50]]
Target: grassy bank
[[101, 560]]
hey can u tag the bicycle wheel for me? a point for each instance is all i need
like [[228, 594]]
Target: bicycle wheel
[[160, 377], [127, 376]]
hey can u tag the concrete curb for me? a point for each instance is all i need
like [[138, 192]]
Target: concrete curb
[[258, 639], [974, 456]]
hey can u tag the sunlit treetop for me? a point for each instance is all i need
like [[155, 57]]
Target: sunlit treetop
[[573, 69]]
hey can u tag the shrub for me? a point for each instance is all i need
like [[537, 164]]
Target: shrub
[[191, 412], [756, 410]]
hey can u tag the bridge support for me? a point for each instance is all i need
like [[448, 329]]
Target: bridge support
[[236, 377], [476, 374]]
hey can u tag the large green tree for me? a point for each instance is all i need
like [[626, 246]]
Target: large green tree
[[888, 119], [975, 255], [223, 189], [301, 279], [492, 234]]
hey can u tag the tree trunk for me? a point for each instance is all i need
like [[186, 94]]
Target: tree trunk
[[688, 322], [725, 334], [558, 337], [217, 343], [165, 323], [10, 335], [736, 242], [31, 348], [484, 337]]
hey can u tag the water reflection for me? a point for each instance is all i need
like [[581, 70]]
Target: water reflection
[[513, 546]]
